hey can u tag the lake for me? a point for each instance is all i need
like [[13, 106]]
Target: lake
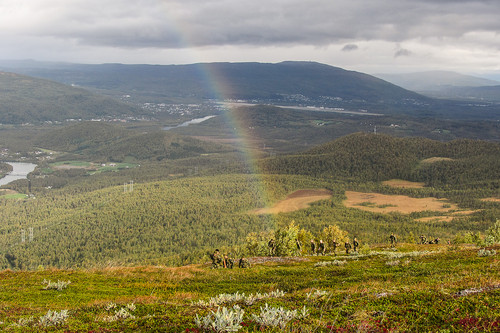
[[19, 171]]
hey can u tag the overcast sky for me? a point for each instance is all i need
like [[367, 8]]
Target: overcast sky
[[372, 36]]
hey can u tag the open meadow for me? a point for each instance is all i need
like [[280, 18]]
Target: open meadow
[[409, 288]]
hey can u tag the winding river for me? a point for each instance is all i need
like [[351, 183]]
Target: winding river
[[19, 171], [189, 122]]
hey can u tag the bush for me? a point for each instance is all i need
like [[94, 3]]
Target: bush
[[59, 285], [238, 298], [286, 240], [486, 253], [331, 233], [53, 318], [469, 238], [277, 317], [223, 320], [493, 234]]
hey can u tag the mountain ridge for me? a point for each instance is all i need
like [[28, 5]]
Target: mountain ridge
[[245, 80], [445, 84], [26, 99], [286, 83]]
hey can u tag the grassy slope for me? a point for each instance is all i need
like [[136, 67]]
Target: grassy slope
[[366, 294]]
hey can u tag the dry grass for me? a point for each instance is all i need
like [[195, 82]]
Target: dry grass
[[167, 273], [403, 183], [436, 219], [297, 200], [382, 203], [7, 191], [491, 199], [448, 218], [70, 166], [436, 159]]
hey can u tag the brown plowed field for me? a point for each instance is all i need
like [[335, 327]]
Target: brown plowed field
[[382, 203], [297, 200], [403, 183]]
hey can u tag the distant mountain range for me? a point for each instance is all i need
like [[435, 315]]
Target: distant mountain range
[[286, 83], [444, 84]]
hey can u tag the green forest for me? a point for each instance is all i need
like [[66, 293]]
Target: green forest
[[176, 209]]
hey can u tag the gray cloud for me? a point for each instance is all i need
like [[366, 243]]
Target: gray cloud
[[176, 23], [158, 30], [350, 47], [402, 53]]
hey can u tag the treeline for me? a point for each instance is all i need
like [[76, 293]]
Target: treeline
[[370, 157]]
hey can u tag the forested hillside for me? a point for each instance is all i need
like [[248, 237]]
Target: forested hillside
[[104, 142], [264, 81], [189, 197], [32, 100], [179, 221], [372, 157], [285, 83], [168, 222]]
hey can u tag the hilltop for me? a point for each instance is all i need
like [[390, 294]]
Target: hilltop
[[410, 288], [436, 80], [445, 84], [374, 157], [32, 100]]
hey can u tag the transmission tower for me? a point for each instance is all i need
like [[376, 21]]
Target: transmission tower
[[128, 187], [23, 236]]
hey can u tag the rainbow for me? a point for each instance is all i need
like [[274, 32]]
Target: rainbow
[[219, 88], [245, 137]]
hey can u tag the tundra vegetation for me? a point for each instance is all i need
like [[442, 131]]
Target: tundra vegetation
[[445, 288]]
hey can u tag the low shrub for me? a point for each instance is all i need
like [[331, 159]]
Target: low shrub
[[53, 318], [224, 320]]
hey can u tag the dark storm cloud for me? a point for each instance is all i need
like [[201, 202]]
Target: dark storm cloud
[[177, 23]]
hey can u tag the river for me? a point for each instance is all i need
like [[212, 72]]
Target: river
[[189, 122], [19, 171]]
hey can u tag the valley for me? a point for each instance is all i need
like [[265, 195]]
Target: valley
[[137, 182]]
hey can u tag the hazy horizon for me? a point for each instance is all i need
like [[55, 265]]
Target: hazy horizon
[[375, 36]]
